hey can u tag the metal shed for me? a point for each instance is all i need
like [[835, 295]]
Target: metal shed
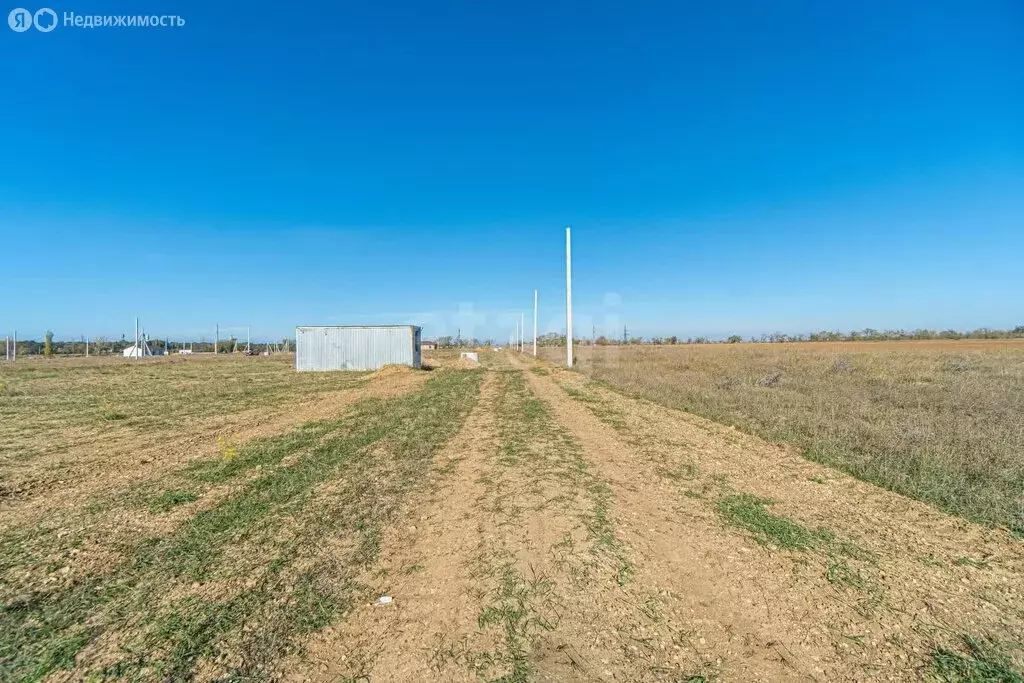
[[321, 348]]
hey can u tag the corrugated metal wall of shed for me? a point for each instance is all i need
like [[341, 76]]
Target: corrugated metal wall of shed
[[355, 348]]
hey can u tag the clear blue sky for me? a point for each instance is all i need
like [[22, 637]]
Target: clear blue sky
[[743, 166]]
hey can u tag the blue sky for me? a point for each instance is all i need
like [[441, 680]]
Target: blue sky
[[726, 167]]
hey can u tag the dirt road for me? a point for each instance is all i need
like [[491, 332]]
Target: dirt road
[[571, 533]]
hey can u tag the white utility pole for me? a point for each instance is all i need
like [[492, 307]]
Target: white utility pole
[[137, 353], [568, 299], [247, 339], [86, 347], [535, 323]]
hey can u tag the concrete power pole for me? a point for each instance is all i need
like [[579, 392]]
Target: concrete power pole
[[535, 323], [568, 298]]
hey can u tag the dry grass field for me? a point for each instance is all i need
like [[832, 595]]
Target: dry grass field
[[230, 519], [941, 421]]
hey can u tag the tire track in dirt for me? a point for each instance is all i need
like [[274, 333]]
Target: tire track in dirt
[[916, 590], [425, 566], [715, 591], [510, 569]]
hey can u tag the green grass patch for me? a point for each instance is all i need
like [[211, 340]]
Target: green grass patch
[[839, 573], [749, 512], [165, 501], [514, 610], [970, 562], [976, 661]]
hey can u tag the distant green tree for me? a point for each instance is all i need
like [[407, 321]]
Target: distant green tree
[[48, 344], [734, 339]]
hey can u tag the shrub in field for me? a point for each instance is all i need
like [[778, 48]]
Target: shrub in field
[[227, 447]]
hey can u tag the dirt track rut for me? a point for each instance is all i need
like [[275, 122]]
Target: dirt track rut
[[573, 533]]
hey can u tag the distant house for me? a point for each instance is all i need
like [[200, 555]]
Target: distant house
[[428, 345]]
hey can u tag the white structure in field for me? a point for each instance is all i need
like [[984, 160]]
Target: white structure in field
[[356, 348], [142, 351]]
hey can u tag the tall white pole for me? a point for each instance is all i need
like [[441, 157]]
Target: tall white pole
[[86, 347], [247, 339], [568, 299], [137, 351], [535, 323]]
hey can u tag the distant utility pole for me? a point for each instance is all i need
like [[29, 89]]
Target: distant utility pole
[[247, 339], [535, 323], [86, 347], [568, 298]]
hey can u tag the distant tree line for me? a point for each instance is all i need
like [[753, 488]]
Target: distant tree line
[[98, 346], [867, 335], [101, 346]]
